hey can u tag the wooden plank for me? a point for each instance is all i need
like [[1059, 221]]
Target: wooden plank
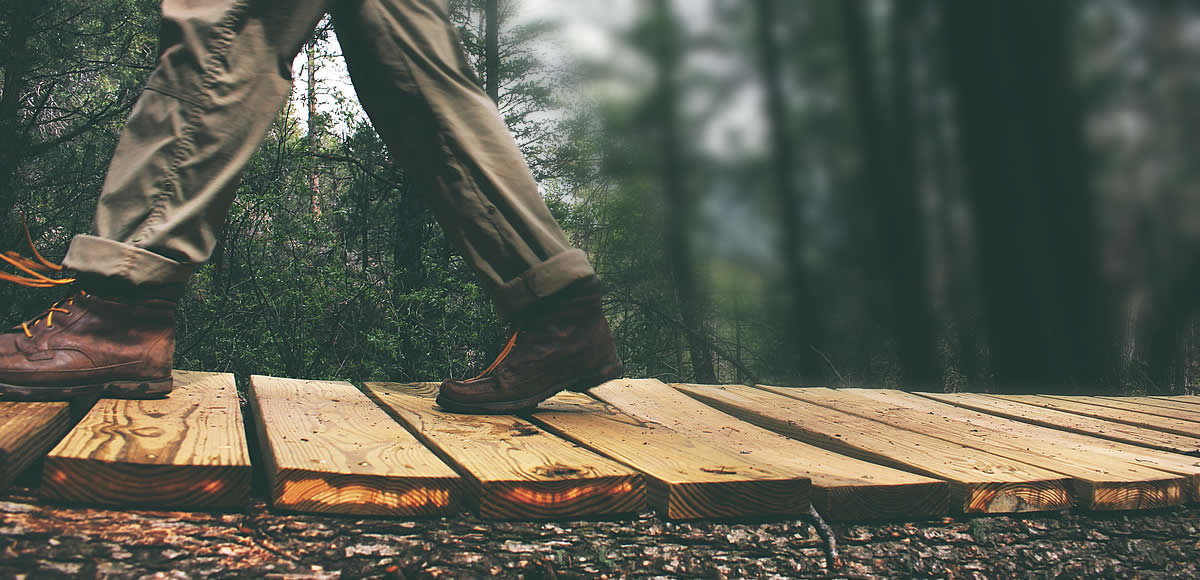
[[513, 469], [684, 478], [844, 488], [187, 450], [1165, 424], [28, 431], [329, 449], [1132, 477], [1062, 420], [1166, 403], [1150, 406], [981, 482], [1193, 399]]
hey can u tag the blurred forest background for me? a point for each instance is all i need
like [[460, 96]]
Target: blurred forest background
[[923, 194]]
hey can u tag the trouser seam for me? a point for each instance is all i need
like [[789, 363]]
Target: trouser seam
[[191, 111], [451, 152]]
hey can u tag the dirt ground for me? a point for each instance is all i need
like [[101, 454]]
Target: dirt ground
[[49, 541]]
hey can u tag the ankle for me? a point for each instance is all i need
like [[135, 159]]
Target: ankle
[[123, 290]]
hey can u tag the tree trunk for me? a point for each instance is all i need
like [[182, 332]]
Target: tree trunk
[[491, 59], [803, 328], [890, 172], [19, 16], [314, 176], [1022, 137], [678, 198]]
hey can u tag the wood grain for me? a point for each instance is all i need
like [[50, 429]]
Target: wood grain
[[1062, 420], [1149, 406], [1102, 480], [28, 431], [843, 487], [515, 470], [981, 482], [328, 449], [1191, 410], [1087, 409], [685, 478], [187, 450]]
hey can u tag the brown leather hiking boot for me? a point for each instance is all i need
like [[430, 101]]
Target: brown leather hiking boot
[[564, 343], [121, 346], [91, 345]]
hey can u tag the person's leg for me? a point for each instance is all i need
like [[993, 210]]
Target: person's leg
[[415, 83], [223, 74]]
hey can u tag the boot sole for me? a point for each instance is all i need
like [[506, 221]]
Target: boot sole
[[146, 389], [611, 372]]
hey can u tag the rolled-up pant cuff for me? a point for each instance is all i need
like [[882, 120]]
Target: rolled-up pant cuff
[[104, 257], [541, 281]]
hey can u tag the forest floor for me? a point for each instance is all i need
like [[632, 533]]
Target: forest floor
[[38, 540]]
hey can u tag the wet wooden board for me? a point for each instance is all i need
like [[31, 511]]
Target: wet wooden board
[[843, 487], [685, 478], [514, 469], [1104, 476], [327, 448], [981, 482], [1062, 420], [1155, 422], [185, 451], [1185, 411], [28, 431]]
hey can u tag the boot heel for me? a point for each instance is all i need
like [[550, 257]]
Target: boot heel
[[146, 389], [608, 373]]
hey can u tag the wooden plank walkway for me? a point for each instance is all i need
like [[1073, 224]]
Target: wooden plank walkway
[[1081, 407], [1131, 477], [1191, 409], [27, 432], [187, 450], [327, 448], [689, 451], [514, 469], [1071, 422], [981, 482], [686, 478], [844, 488], [1185, 411]]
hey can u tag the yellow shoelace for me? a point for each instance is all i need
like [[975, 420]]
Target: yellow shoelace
[[34, 267], [512, 341]]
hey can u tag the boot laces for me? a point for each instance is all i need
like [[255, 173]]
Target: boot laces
[[59, 306], [35, 267], [508, 347]]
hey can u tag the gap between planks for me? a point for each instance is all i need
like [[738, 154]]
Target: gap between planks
[[514, 469], [327, 448], [1101, 481], [844, 488], [981, 482], [686, 479]]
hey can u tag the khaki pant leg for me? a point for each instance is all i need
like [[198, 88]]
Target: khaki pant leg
[[414, 81], [223, 74]]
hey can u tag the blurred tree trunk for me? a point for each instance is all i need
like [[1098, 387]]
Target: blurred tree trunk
[[803, 328], [1022, 137], [889, 170], [679, 203], [19, 17], [314, 175], [491, 59]]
